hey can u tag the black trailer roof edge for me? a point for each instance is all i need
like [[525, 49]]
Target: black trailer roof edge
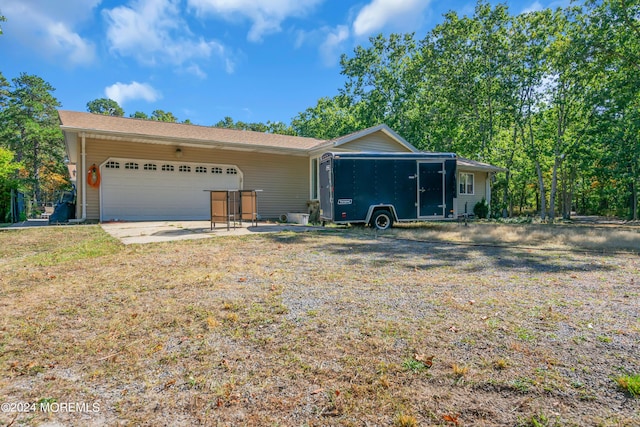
[[389, 155]]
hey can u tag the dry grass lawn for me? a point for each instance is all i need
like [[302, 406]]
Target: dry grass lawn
[[507, 325]]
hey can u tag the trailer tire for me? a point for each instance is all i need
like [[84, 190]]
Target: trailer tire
[[382, 219]]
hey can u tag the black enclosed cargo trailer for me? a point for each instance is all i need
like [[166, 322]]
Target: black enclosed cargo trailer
[[382, 188]]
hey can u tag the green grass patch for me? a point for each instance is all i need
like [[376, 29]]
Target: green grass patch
[[630, 384], [538, 420], [46, 246], [525, 335], [414, 365], [523, 385]]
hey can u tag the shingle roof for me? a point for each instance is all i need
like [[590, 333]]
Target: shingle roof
[[129, 128], [462, 163], [101, 124]]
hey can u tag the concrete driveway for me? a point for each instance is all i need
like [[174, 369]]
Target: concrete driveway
[[164, 231]]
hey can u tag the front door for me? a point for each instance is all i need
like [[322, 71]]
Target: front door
[[431, 190]]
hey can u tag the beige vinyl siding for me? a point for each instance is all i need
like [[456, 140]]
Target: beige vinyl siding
[[284, 179], [378, 142], [479, 187]]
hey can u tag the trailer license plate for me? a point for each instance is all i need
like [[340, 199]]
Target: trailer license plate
[[345, 201]]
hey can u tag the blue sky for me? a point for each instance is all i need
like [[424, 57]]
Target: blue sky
[[252, 60]]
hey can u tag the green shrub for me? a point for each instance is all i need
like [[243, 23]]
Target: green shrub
[[481, 209]]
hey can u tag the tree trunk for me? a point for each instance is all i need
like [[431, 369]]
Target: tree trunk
[[634, 199], [505, 196], [635, 183], [523, 197], [554, 187], [36, 173], [18, 149], [534, 155], [543, 194], [567, 193], [558, 150]]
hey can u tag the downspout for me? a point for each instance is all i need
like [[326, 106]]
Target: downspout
[[83, 179]]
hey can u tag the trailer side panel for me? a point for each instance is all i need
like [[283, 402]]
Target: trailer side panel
[[411, 186]]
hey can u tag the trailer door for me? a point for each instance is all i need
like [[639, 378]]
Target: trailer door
[[326, 189], [431, 203]]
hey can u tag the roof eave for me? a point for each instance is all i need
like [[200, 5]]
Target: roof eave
[[487, 168], [153, 139]]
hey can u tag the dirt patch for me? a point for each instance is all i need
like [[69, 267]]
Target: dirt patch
[[334, 328]]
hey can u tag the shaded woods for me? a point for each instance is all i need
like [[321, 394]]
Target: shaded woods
[[552, 95]]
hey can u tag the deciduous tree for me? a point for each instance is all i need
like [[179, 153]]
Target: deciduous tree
[[163, 116], [30, 128], [139, 115], [328, 119], [105, 106], [612, 37]]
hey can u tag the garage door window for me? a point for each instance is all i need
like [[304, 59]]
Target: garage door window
[[232, 171], [201, 169], [167, 168], [112, 165], [150, 167], [216, 170], [131, 165]]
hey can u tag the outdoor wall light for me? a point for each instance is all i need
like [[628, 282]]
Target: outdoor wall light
[[179, 153]]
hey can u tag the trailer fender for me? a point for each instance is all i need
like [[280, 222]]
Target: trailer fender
[[374, 208]]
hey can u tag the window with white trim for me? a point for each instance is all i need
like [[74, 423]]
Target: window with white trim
[[167, 168], [466, 183]]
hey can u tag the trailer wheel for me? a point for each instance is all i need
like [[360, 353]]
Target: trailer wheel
[[382, 219]]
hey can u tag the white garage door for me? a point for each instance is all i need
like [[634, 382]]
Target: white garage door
[[133, 189]]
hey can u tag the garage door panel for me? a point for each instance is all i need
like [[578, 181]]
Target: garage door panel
[[139, 194]]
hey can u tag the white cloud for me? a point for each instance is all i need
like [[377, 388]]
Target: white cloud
[[301, 37], [77, 49], [534, 7], [122, 92], [50, 28], [266, 15], [196, 71], [382, 13], [153, 32], [330, 42], [333, 44]]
